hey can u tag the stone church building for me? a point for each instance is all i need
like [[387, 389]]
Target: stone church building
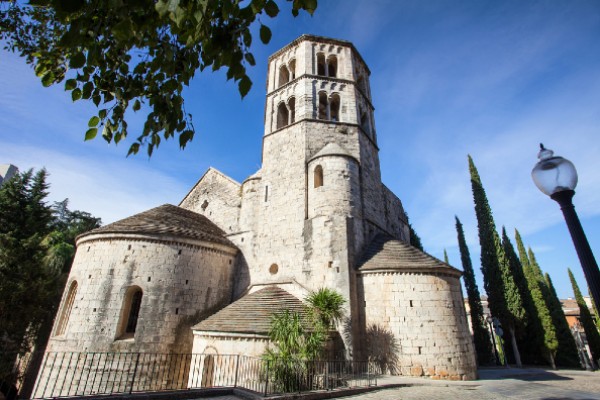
[[205, 276]]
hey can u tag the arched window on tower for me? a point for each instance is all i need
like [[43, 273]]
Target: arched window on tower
[[66, 311], [292, 65], [282, 115], [321, 64], [323, 106], [318, 176], [284, 75], [130, 313], [292, 109], [334, 107], [332, 65]]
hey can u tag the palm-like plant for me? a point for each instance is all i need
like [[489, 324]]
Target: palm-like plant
[[327, 306]]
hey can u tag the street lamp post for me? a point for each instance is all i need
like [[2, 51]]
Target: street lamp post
[[557, 177]]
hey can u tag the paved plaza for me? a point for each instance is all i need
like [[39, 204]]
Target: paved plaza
[[513, 383]]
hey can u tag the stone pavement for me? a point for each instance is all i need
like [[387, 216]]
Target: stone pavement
[[497, 383]]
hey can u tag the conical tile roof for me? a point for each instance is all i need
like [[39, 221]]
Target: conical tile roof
[[386, 253], [166, 220], [252, 313]]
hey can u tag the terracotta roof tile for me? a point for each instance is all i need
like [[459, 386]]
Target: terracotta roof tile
[[252, 313], [167, 220], [385, 252]]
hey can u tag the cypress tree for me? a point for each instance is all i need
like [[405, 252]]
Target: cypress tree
[[591, 333], [541, 333], [567, 354], [503, 295], [446, 257], [483, 345]]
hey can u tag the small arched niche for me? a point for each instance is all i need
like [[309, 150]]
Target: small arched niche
[[318, 176], [282, 115]]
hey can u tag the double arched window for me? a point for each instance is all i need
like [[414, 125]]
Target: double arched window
[[287, 73], [286, 113], [66, 311], [328, 108], [130, 313], [327, 67]]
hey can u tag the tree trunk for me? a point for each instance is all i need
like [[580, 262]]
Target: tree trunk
[[551, 358], [515, 348]]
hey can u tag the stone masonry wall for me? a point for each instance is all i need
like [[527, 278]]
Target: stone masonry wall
[[217, 197], [416, 325], [180, 281]]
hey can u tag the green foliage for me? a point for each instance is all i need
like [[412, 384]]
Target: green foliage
[[35, 253], [591, 333], [540, 336], [122, 54], [446, 257], [504, 298], [300, 338], [483, 345], [414, 239], [327, 307], [567, 353]]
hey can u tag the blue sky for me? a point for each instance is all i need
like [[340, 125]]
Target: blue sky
[[448, 78]]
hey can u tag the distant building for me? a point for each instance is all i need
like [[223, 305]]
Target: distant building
[[7, 171], [571, 310]]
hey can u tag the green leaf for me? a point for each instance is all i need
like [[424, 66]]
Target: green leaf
[[70, 84], [250, 58], [244, 85], [185, 137], [271, 9], [77, 61], [48, 79], [265, 34], [76, 94], [137, 105], [91, 133], [93, 121], [102, 113], [133, 149]]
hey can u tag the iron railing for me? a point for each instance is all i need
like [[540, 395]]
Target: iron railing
[[64, 374]]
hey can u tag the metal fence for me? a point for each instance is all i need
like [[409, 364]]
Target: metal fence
[[91, 373]]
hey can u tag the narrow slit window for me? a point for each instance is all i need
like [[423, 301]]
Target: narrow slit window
[[66, 311], [266, 193], [134, 312], [130, 313], [318, 176]]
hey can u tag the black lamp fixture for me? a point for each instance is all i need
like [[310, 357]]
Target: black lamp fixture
[[556, 177]]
